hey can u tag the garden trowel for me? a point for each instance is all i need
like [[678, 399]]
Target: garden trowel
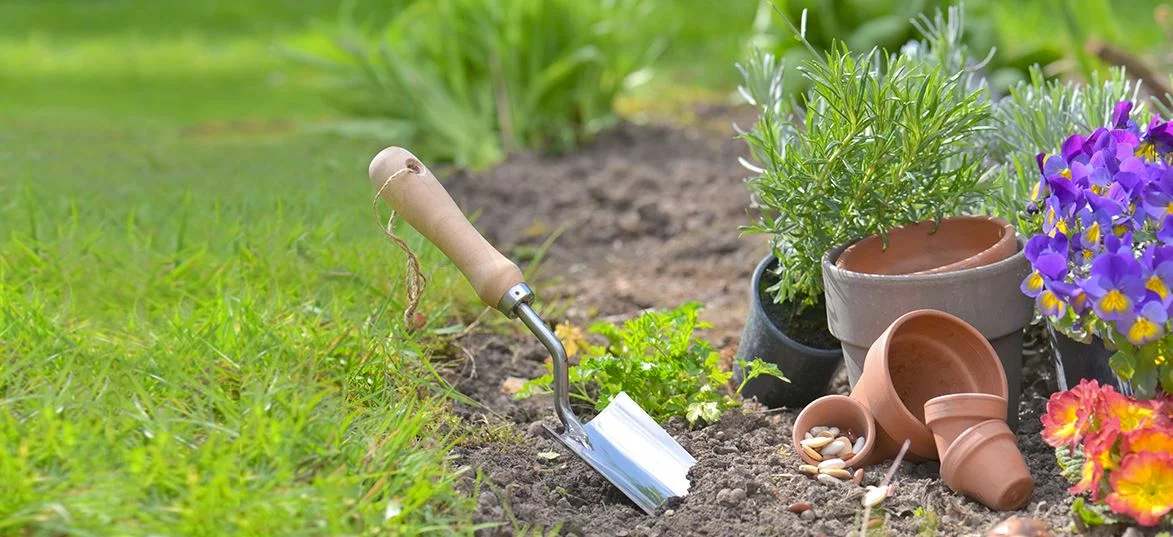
[[623, 443]]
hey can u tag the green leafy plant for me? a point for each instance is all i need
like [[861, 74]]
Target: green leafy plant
[[659, 362], [467, 81], [877, 141]]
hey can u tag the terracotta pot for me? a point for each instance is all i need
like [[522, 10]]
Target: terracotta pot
[[1076, 361], [985, 464], [960, 242], [809, 368], [861, 306], [924, 354], [836, 411], [950, 415]]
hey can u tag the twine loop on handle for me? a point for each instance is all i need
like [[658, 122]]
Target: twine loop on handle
[[415, 279]]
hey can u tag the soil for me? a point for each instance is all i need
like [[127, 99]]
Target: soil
[[808, 326], [648, 218]]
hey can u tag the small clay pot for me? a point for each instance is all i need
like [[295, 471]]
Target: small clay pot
[[950, 415], [836, 411], [985, 464], [958, 243], [922, 355]]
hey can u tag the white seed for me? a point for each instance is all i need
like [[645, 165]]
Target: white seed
[[812, 453], [832, 463], [808, 469], [834, 448], [846, 454], [808, 435], [834, 431], [837, 473], [817, 430], [858, 447], [828, 479], [858, 477], [816, 442], [826, 434], [874, 496]]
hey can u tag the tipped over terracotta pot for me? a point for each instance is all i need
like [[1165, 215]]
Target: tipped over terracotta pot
[[959, 242], [950, 415], [837, 411], [922, 355], [985, 464]]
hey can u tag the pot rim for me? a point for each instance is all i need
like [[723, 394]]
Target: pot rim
[[870, 434], [966, 443], [838, 273], [945, 406], [885, 339], [1003, 226], [756, 302]]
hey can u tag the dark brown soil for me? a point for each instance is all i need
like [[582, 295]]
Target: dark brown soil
[[649, 218], [807, 325]]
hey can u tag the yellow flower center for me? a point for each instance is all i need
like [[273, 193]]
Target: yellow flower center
[[1115, 302], [1157, 285], [1092, 234], [1035, 281], [1066, 173], [1143, 330]]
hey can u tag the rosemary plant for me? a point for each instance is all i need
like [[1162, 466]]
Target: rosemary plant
[[879, 141]]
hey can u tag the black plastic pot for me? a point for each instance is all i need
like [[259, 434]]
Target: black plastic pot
[[1075, 361], [809, 369]]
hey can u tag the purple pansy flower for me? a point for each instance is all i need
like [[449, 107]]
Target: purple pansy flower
[[1158, 196], [1146, 325], [1115, 285]]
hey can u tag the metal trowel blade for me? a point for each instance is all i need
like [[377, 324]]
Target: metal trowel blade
[[634, 453]]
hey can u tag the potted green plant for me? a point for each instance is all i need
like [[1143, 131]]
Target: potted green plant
[[877, 142]]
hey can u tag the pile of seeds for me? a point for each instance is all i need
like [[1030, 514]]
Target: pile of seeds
[[830, 448]]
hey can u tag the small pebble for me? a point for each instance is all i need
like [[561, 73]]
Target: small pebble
[[808, 469], [817, 442], [1029, 527], [833, 448], [812, 453], [874, 496], [808, 515], [838, 473], [670, 512], [800, 507], [859, 442], [828, 479], [858, 477], [831, 464]]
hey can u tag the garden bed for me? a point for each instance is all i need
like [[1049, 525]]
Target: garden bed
[[652, 214]]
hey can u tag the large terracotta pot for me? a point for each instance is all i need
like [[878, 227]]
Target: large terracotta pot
[[861, 306], [958, 243], [922, 355]]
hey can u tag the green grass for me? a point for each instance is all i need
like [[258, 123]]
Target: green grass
[[199, 320]]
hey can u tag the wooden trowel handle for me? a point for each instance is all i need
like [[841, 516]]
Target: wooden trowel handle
[[420, 200]]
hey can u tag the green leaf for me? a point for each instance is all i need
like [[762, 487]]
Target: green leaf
[[1124, 363]]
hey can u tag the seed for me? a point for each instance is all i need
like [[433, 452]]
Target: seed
[[808, 436], [826, 434], [874, 496], [846, 453], [817, 430], [834, 431], [858, 477], [834, 448], [838, 473], [809, 469], [817, 442], [828, 479], [832, 463], [859, 442], [812, 453], [799, 507]]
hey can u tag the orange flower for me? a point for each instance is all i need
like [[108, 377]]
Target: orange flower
[[1099, 458], [1157, 440], [1128, 413], [1066, 420], [1143, 487]]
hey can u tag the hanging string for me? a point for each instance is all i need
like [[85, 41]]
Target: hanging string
[[415, 277]]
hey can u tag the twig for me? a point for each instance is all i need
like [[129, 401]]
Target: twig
[[1134, 65]]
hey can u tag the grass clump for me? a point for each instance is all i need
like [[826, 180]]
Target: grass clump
[[468, 81], [659, 362]]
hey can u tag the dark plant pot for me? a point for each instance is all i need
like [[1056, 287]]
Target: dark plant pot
[[860, 307], [809, 369], [1075, 361]]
